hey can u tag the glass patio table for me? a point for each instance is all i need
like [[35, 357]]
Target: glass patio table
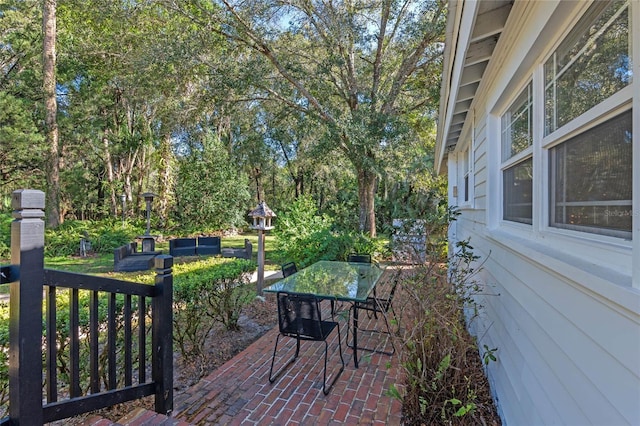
[[344, 281]]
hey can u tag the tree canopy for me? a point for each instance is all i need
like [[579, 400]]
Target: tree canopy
[[224, 103]]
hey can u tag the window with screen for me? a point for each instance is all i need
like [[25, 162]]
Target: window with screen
[[517, 163], [590, 172]]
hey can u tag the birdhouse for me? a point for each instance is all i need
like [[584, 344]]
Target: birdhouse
[[262, 215]]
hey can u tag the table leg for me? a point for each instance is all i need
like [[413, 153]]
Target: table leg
[[355, 336]]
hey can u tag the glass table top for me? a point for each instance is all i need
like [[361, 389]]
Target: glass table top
[[332, 280]]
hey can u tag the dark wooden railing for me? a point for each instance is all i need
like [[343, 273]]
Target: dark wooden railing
[[117, 342]]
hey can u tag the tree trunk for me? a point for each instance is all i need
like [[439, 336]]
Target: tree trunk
[[299, 181], [51, 108], [106, 146], [165, 173], [366, 201], [257, 175]]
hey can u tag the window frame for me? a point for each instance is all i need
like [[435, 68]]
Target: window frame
[[552, 58], [613, 106], [611, 232], [611, 253], [466, 171], [519, 158]]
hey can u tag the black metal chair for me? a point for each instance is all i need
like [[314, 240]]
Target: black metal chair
[[299, 317], [359, 258], [289, 269], [377, 305]]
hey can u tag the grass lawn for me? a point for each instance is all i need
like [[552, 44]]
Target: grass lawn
[[102, 263]]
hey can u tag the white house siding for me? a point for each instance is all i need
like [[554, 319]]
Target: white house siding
[[561, 310]]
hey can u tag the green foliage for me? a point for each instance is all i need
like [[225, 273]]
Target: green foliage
[[21, 142], [4, 358], [104, 236], [489, 355], [5, 235], [444, 384], [304, 236], [205, 292], [211, 193]]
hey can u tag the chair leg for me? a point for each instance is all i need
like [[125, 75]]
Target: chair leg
[[326, 389], [386, 322], [272, 377]]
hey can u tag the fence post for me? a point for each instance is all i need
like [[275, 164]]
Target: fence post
[[25, 306], [162, 337]]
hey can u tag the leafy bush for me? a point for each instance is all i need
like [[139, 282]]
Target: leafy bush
[[304, 236], [205, 292], [211, 192], [5, 235], [4, 359], [104, 236]]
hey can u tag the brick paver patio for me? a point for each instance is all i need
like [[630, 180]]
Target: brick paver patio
[[239, 392]]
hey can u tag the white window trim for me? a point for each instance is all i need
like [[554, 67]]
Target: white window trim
[[465, 158], [609, 108], [605, 110], [635, 231], [617, 254], [515, 159]]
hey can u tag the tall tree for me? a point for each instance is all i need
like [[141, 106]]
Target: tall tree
[[356, 67], [51, 110], [21, 141]]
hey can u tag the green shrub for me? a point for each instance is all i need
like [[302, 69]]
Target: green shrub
[[104, 236], [5, 235], [304, 236], [205, 292], [444, 384], [4, 359]]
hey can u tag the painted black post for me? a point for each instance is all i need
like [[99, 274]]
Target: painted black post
[[25, 304], [162, 337]]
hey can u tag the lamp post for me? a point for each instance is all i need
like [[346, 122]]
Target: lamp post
[[261, 215], [123, 198], [148, 242]]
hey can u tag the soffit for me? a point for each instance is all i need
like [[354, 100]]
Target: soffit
[[481, 39]]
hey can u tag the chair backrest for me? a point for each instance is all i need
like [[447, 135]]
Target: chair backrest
[[396, 280], [359, 258], [209, 241], [299, 316], [289, 269], [394, 286]]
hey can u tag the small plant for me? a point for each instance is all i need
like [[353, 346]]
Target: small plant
[[104, 236], [488, 355], [445, 383]]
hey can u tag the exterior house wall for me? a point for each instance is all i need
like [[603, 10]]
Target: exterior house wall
[[563, 308]]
